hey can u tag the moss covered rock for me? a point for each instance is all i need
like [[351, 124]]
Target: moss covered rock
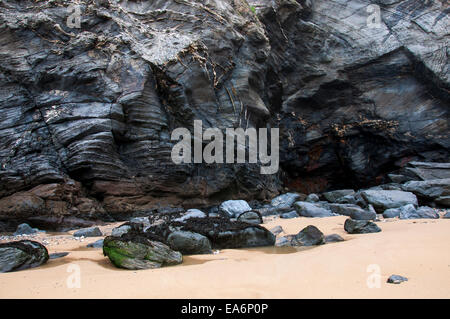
[[138, 252]]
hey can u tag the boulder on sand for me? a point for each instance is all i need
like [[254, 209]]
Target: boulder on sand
[[352, 226], [21, 255], [410, 212], [88, 232], [308, 236], [134, 252]]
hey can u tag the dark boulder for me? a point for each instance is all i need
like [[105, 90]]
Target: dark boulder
[[429, 189], [352, 226], [252, 217], [189, 243], [21, 255], [234, 208], [96, 244], [410, 212], [385, 199], [307, 209], [286, 201], [309, 236], [88, 232], [333, 196], [289, 215], [25, 229], [223, 233]]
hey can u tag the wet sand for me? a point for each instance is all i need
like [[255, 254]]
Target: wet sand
[[417, 249]]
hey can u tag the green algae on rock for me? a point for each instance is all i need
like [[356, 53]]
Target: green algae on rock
[[139, 253]]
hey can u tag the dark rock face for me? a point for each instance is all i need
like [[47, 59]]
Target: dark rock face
[[87, 113], [21, 255], [352, 226]]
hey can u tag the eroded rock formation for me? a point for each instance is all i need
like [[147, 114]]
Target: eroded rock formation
[[86, 113]]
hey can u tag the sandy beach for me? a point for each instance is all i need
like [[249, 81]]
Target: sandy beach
[[416, 249]]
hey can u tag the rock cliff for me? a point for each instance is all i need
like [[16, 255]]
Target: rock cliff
[[86, 111]]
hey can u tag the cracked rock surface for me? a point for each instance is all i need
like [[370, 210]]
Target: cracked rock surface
[[86, 113]]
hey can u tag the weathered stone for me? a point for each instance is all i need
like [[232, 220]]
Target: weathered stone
[[120, 230], [25, 229], [333, 238], [306, 209], [333, 196], [234, 208], [139, 253], [88, 232], [285, 201], [191, 213], [277, 230], [252, 217], [21, 255], [385, 199], [430, 189], [396, 279], [410, 212], [289, 215], [312, 198], [352, 226], [189, 243], [96, 244], [309, 236], [391, 212]]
